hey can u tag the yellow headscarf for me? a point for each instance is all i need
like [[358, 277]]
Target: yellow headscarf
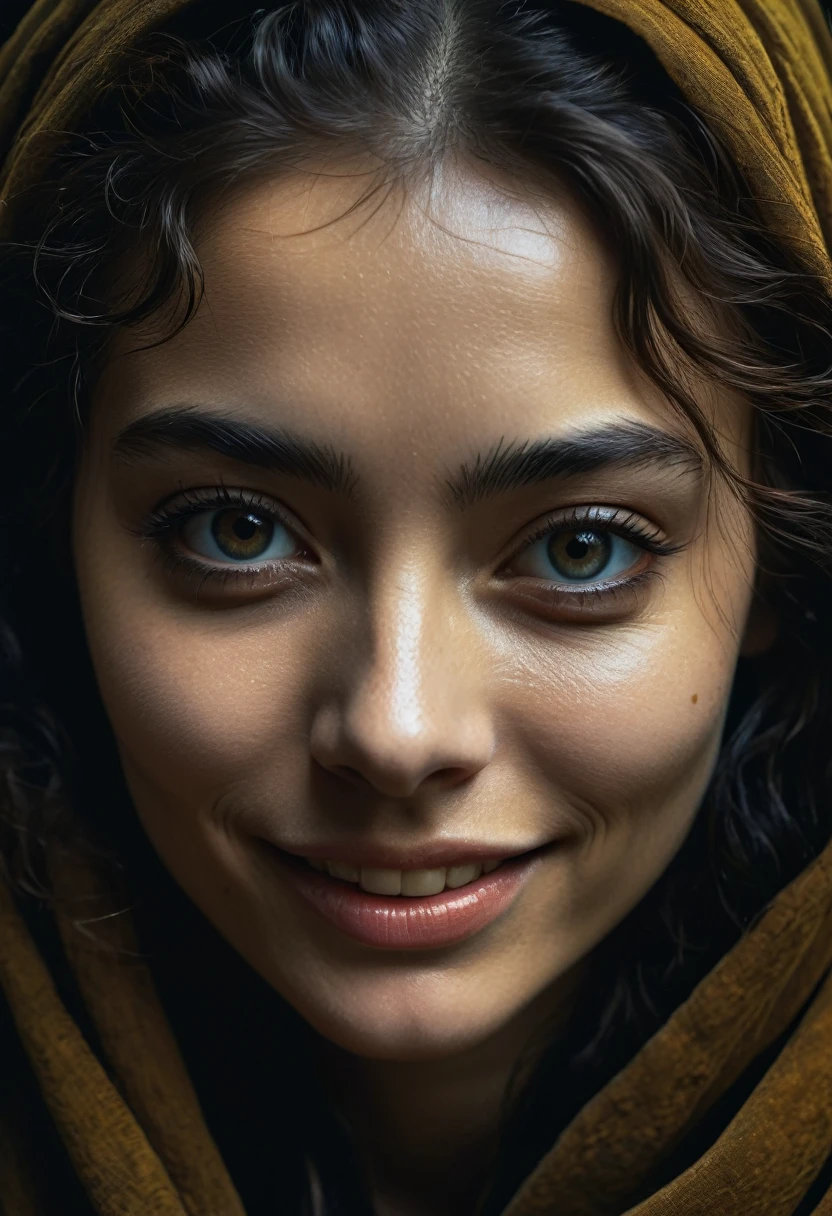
[[760, 72]]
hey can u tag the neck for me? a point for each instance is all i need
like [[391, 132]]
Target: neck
[[428, 1129]]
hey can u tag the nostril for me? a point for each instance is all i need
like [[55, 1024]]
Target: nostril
[[448, 778], [350, 774]]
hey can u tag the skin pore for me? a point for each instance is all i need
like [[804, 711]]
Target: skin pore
[[414, 666]]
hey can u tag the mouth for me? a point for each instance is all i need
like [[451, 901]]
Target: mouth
[[409, 909]]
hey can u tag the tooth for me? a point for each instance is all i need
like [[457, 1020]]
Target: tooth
[[343, 869], [423, 882], [488, 866], [458, 876], [316, 865], [381, 882]]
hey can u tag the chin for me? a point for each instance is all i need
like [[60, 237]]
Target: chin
[[405, 1039], [423, 1018]]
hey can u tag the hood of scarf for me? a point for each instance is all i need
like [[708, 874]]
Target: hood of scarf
[[760, 73]]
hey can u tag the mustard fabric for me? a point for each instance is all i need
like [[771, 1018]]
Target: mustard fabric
[[760, 71]]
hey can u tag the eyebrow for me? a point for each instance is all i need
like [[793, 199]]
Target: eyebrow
[[497, 471], [631, 444], [193, 429]]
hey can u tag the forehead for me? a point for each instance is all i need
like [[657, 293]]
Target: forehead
[[417, 313]]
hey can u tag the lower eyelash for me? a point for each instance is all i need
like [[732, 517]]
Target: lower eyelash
[[601, 593], [173, 562], [161, 524], [559, 598], [610, 591]]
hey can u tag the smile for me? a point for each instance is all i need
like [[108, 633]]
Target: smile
[[397, 918]]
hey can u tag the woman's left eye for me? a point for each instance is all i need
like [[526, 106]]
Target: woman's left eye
[[238, 535], [579, 555]]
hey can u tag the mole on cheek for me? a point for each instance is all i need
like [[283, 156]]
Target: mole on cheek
[[695, 697]]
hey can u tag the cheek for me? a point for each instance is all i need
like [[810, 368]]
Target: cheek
[[626, 722], [198, 700], [198, 708]]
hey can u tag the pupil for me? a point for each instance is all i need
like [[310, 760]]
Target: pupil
[[577, 548], [241, 534], [245, 527], [580, 555]]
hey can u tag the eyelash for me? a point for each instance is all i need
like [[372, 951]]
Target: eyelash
[[602, 595], [628, 527], [160, 525]]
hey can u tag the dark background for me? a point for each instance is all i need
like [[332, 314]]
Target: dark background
[[12, 10]]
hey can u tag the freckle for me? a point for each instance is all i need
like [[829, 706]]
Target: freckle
[[695, 697]]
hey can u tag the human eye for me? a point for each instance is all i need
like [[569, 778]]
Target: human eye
[[225, 535], [590, 557]]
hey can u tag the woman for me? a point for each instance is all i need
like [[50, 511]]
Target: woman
[[416, 448]]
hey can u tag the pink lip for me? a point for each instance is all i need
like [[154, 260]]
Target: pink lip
[[409, 922]]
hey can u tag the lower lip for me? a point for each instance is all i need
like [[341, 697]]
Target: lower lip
[[397, 922]]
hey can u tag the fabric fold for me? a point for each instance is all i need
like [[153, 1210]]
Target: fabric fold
[[108, 1149], [119, 993], [716, 52], [762, 1166], [44, 29], [739, 1009]]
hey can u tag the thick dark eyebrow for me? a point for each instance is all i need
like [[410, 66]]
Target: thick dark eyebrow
[[497, 471], [191, 429], [632, 444]]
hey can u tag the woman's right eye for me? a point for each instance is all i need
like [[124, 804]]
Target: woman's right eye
[[237, 535]]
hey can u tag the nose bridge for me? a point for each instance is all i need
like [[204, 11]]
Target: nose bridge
[[406, 642], [409, 699]]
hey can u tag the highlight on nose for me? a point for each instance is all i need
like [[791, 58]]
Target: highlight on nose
[[364, 747]]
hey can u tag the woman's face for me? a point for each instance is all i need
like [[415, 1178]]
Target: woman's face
[[391, 559]]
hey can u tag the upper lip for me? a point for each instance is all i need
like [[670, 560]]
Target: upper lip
[[441, 854]]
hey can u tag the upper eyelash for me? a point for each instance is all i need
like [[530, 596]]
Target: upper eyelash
[[163, 518], [629, 527]]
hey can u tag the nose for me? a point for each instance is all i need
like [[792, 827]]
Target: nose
[[409, 705]]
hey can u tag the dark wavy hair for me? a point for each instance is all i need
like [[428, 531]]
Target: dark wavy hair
[[563, 99]]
